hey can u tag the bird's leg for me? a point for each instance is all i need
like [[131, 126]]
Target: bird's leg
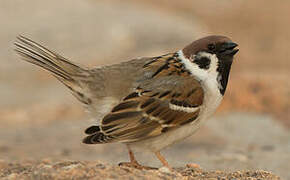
[[163, 160], [133, 162], [132, 157]]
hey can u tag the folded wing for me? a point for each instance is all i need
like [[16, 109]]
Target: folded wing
[[155, 107]]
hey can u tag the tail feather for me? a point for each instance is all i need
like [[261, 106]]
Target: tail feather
[[39, 55], [36, 60], [96, 136], [67, 72], [92, 130]]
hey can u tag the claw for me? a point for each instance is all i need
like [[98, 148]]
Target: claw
[[136, 166]]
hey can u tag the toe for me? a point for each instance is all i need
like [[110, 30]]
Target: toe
[[193, 165]]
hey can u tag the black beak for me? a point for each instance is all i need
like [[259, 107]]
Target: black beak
[[228, 48]]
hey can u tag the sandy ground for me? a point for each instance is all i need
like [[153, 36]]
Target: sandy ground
[[98, 170], [39, 119]]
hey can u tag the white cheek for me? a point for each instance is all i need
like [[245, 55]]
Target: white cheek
[[212, 70], [201, 74]]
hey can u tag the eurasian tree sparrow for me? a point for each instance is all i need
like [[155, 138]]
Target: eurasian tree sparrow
[[147, 103]]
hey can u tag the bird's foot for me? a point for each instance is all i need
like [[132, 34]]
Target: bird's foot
[[136, 165], [193, 165]]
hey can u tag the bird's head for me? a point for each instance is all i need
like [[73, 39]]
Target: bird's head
[[211, 57]]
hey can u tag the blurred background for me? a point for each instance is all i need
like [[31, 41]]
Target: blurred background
[[39, 119]]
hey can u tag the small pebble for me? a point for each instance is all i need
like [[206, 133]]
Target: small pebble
[[165, 170]]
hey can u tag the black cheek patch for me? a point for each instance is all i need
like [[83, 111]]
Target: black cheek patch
[[202, 62]]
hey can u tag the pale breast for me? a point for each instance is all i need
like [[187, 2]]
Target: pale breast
[[212, 98]]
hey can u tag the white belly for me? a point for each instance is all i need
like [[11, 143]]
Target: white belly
[[166, 139]]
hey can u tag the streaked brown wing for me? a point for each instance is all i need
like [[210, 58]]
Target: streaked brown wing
[[156, 107]]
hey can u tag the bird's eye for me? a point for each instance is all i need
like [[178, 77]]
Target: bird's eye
[[211, 47]]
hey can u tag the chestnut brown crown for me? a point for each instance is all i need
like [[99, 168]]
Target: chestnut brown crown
[[222, 46]]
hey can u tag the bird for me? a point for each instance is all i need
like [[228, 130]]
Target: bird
[[146, 103]]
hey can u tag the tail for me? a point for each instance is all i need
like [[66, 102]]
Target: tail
[[67, 72], [96, 136]]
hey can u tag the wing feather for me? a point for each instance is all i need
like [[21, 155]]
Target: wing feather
[[153, 109]]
